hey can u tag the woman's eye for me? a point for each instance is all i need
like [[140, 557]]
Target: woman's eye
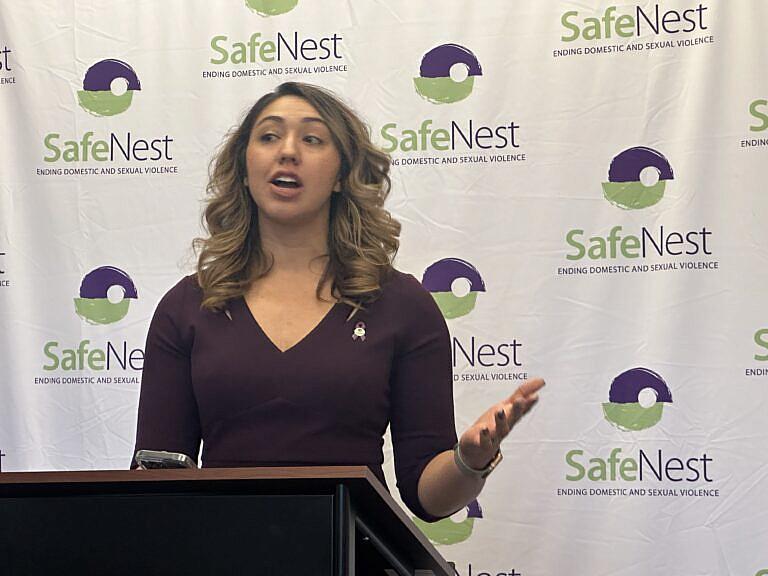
[[312, 140], [268, 137]]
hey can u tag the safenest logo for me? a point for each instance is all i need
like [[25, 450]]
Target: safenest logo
[[434, 82], [274, 54], [271, 7], [624, 408], [455, 285], [621, 30], [626, 187], [5, 67], [94, 305], [633, 396], [108, 88], [99, 97], [104, 299], [456, 141], [439, 279], [637, 180], [449, 531], [758, 112]]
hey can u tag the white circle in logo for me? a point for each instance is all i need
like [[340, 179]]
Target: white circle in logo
[[115, 294], [647, 397], [649, 176], [461, 287], [118, 86], [459, 72], [460, 515]]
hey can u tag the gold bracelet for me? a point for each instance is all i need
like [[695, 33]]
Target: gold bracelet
[[467, 470]]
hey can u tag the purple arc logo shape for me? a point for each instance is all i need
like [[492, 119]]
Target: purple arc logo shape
[[626, 387], [474, 510], [440, 276], [99, 77], [97, 282], [627, 166], [437, 62]]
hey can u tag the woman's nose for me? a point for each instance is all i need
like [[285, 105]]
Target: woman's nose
[[289, 150]]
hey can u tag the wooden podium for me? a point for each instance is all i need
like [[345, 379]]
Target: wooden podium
[[309, 521]]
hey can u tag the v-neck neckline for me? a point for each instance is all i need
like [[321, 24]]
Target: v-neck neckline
[[263, 333]]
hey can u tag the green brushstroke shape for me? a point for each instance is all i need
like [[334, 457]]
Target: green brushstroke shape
[[446, 531], [104, 102], [632, 416], [101, 310], [453, 306], [444, 90], [633, 195], [271, 7]]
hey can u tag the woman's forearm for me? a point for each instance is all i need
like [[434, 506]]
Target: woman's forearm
[[444, 489]]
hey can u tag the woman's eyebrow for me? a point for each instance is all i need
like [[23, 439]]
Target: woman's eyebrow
[[281, 120]]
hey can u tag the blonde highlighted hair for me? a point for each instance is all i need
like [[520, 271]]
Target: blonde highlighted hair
[[362, 235]]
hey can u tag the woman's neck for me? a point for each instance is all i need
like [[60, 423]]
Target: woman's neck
[[295, 248]]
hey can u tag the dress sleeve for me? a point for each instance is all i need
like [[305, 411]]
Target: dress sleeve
[[168, 416], [421, 387]]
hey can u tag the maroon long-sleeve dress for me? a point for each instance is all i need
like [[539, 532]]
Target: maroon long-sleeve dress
[[325, 401]]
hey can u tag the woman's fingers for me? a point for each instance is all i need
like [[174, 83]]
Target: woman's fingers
[[527, 389], [486, 441], [481, 441], [503, 422]]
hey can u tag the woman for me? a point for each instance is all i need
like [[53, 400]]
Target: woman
[[297, 343]]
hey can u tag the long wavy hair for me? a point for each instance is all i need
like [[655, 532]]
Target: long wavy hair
[[362, 235]]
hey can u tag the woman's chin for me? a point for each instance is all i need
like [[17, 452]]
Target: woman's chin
[[291, 215]]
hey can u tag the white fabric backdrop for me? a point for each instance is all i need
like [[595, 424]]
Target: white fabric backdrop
[[695, 93]]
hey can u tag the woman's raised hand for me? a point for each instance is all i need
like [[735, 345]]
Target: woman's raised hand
[[480, 442]]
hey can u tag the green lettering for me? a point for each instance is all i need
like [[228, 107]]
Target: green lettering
[[239, 53], [441, 139], [388, 137], [100, 151], [598, 471], [570, 239], [597, 249], [52, 147], [96, 359], [625, 26], [223, 51], [410, 141], [52, 355], [71, 151], [267, 51], [763, 117], [760, 341], [69, 362], [569, 459], [627, 469], [628, 245], [591, 29], [573, 27]]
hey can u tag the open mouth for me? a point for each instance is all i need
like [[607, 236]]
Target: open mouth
[[286, 182]]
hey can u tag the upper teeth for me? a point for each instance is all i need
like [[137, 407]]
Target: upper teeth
[[286, 179]]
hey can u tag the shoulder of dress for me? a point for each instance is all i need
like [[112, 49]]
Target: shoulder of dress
[[184, 293], [398, 281], [405, 285], [406, 294]]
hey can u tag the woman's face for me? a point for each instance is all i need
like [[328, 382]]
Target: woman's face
[[292, 162]]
